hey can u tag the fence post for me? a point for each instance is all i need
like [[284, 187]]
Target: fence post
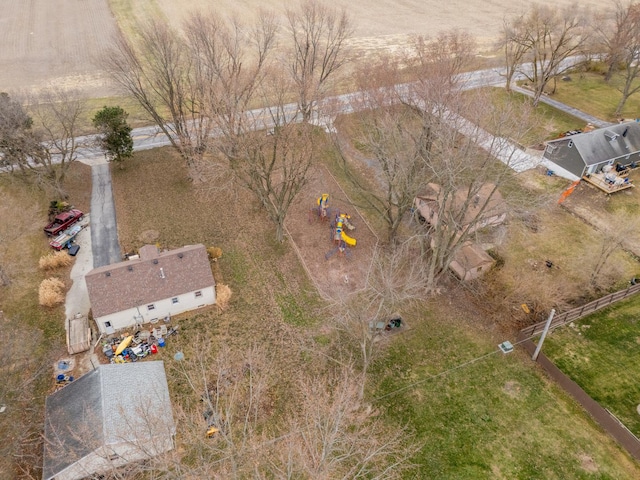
[[544, 334]]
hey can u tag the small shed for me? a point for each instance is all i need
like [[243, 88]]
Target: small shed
[[589, 152], [471, 262]]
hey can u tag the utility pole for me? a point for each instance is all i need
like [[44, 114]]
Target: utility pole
[[544, 334]]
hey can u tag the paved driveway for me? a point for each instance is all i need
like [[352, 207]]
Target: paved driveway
[[104, 232]]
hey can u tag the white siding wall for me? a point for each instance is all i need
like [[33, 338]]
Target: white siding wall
[[162, 308]]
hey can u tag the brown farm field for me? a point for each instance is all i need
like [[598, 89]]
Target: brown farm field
[[54, 43], [60, 43]]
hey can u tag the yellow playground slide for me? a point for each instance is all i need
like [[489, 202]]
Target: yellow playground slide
[[348, 240]]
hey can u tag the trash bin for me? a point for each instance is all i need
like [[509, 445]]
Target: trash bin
[[161, 342]]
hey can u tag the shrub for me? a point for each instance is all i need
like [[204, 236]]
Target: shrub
[[54, 260], [223, 295], [51, 292], [214, 253]]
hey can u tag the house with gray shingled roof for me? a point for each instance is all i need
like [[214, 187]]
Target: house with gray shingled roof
[[587, 153], [151, 287], [110, 417]]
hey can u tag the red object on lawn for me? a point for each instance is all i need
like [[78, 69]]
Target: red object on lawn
[[154, 349]]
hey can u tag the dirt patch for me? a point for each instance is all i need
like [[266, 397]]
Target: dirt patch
[[512, 388], [587, 463], [334, 273], [149, 236]]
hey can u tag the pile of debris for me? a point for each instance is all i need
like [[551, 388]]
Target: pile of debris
[[131, 348]]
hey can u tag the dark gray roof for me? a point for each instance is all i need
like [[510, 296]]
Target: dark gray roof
[[614, 142], [109, 405]]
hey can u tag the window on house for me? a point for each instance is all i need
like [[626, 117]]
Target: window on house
[[174, 300], [198, 293], [151, 306]]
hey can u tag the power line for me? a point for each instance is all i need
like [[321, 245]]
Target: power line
[[445, 372]]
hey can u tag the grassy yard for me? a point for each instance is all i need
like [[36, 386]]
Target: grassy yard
[[480, 421], [600, 353], [32, 338], [546, 123], [480, 414], [591, 94]]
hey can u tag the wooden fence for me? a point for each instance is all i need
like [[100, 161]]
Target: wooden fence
[[577, 313]]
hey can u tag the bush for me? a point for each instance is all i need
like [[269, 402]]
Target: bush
[[214, 253], [51, 292], [223, 295], [54, 260]]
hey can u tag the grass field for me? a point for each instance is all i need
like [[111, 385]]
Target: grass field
[[600, 353], [480, 414], [591, 94], [32, 338], [481, 421]]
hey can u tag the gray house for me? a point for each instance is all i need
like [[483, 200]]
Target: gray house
[[113, 415], [587, 153]]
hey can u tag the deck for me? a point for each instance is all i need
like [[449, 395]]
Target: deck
[[621, 182]]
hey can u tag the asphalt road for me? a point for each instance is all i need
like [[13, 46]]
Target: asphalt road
[[104, 232]]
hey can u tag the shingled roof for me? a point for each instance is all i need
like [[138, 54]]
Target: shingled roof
[[100, 409], [152, 277]]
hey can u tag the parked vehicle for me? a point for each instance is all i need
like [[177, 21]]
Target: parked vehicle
[[62, 221], [65, 239]]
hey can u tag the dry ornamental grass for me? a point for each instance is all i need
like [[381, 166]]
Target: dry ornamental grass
[[51, 292], [54, 260]]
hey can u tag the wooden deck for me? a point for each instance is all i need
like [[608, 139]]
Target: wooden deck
[[598, 181]]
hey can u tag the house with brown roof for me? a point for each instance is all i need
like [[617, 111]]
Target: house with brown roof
[[485, 208], [470, 262], [151, 287]]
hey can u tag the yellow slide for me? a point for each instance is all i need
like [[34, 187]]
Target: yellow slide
[[348, 240]]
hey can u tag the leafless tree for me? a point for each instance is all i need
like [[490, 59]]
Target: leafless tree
[[230, 62], [624, 41], [159, 74], [319, 36], [272, 154], [514, 48], [43, 143], [333, 435], [550, 36]]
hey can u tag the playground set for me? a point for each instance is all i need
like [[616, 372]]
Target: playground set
[[339, 222]]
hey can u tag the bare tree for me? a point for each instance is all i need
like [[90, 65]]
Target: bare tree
[[550, 36], [44, 144], [272, 154], [624, 42], [318, 39], [159, 74], [333, 435], [514, 48], [230, 61]]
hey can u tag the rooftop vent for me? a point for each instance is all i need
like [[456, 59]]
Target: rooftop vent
[[155, 261], [108, 274], [130, 268], [180, 255], [162, 273], [610, 135]]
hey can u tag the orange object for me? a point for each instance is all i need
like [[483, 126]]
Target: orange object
[[568, 191]]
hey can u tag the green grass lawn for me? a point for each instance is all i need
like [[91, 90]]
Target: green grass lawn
[[600, 353], [591, 94], [493, 418]]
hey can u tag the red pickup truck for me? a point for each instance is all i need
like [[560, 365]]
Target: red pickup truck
[[62, 221]]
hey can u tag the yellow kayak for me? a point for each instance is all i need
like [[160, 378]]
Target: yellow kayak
[[124, 344]]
